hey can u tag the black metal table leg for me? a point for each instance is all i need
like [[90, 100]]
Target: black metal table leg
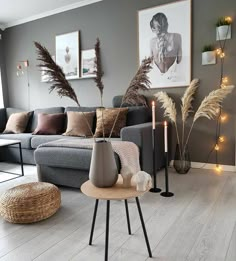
[[143, 226], [107, 230], [21, 160], [127, 215], [93, 223]]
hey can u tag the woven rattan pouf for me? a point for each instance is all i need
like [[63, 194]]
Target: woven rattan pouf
[[30, 202]]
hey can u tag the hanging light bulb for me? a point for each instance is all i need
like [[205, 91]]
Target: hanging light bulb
[[218, 51], [228, 19], [218, 168], [222, 55], [221, 139], [217, 147], [225, 80], [223, 117]]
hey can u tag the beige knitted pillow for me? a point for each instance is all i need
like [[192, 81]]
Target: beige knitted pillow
[[109, 116], [17, 122], [77, 125]]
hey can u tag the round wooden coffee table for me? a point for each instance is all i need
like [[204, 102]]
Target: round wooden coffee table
[[117, 192]]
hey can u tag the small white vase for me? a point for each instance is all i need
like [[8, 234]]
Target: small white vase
[[103, 170], [223, 32], [208, 58]]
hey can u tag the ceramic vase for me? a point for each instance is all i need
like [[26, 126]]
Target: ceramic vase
[[103, 170], [182, 163]]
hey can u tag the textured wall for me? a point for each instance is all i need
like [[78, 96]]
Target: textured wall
[[115, 23]]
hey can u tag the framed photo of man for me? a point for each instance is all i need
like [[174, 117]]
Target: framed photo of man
[[67, 54], [164, 33]]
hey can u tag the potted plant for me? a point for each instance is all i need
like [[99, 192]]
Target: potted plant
[[208, 55], [223, 28]]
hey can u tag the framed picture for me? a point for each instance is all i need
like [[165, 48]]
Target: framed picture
[[88, 67], [165, 34], [44, 76], [67, 54]]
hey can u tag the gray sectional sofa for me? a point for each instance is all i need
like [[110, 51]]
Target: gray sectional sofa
[[70, 166]]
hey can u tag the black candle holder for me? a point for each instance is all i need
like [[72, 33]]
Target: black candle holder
[[167, 193], [155, 189]]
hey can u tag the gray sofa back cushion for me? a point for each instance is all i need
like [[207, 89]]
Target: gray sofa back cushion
[[138, 115], [3, 119], [34, 121]]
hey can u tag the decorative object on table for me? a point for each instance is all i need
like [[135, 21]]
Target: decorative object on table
[[209, 108], [67, 54], [30, 202], [208, 55], [155, 189], [103, 170], [127, 174], [88, 67], [143, 181], [165, 32], [223, 28], [140, 82], [166, 193]]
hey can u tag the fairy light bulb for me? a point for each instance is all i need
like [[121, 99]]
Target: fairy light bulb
[[222, 86], [218, 51], [221, 139], [228, 19], [223, 118], [222, 55], [217, 148], [218, 168], [225, 80]]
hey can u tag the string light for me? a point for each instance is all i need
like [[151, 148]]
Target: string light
[[218, 168], [228, 19], [221, 139], [223, 118], [218, 51], [217, 147], [222, 55], [225, 80]]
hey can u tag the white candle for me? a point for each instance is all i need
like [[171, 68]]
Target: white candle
[[165, 136], [153, 116]]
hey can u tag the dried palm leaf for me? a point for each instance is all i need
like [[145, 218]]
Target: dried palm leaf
[[167, 104], [55, 73], [138, 84], [188, 98]]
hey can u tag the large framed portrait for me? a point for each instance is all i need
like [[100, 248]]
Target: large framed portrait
[[165, 34], [88, 66], [67, 54]]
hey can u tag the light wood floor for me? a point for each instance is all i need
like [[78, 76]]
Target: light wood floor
[[198, 223]]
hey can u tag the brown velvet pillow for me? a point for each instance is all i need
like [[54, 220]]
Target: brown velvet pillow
[[77, 125], [109, 116], [50, 124], [17, 122]]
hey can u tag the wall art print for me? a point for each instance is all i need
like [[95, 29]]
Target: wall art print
[[165, 34], [88, 67], [67, 54]]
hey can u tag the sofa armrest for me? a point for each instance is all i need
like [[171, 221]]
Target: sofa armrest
[[141, 135], [3, 119]]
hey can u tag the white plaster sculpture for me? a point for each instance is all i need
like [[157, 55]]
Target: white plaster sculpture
[[127, 174], [143, 181]]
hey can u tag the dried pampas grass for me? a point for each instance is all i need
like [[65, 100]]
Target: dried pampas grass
[[188, 98], [167, 104]]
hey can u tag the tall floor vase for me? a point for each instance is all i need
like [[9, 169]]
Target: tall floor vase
[[182, 163], [103, 170]]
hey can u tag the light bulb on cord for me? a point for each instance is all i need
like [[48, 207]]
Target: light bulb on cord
[[223, 118], [222, 55], [218, 168], [228, 19], [218, 51], [221, 139], [217, 147], [225, 80]]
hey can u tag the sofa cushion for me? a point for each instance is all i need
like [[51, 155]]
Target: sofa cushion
[[40, 139], [34, 121], [79, 123], [50, 124], [138, 115], [25, 139], [3, 119], [106, 118], [17, 122]]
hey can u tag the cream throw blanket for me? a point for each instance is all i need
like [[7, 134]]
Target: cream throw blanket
[[128, 152]]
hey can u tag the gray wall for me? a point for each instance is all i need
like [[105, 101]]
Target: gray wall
[[115, 23]]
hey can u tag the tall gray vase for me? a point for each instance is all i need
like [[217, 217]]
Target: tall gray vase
[[103, 170]]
